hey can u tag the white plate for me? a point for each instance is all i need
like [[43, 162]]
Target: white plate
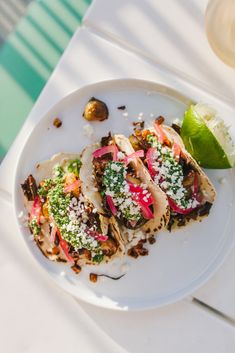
[[179, 262]]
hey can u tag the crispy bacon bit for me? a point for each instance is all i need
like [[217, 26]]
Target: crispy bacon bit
[[57, 122], [152, 240], [138, 250], [84, 254], [205, 209], [177, 128], [139, 124], [121, 107], [29, 188], [109, 247], [93, 277], [159, 120], [181, 220], [76, 268], [105, 140], [55, 250]]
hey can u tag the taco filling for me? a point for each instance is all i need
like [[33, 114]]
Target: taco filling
[[124, 195], [172, 170], [74, 224]]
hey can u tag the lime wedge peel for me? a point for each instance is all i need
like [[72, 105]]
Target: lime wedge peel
[[207, 138]]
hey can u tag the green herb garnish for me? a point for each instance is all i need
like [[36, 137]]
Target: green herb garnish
[[74, 166], [35, 228]]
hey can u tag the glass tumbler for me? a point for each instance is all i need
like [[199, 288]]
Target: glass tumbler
[[220, 29]]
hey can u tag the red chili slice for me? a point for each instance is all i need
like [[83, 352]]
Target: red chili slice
[[106, 149]]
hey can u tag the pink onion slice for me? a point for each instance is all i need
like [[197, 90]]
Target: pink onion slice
[[96, 235], [151, 159], [112, 207], [139, 153], [106, 149]]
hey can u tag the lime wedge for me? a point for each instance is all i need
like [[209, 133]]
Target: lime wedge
[[206, 138]]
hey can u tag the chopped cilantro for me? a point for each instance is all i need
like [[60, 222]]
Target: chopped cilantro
[[98, 258], [117, 187], [170, 173], [58, 171], [114, 176], [46, 185], [34, 227]]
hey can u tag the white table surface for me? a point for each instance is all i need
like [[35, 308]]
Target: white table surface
[[37, 316]]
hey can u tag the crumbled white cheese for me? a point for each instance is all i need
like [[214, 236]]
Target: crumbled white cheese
[[120, 155], [88, 130]]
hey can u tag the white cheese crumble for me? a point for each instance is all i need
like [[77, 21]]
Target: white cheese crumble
[[88, 130], [170, 177], [78, 216], [120, 155]]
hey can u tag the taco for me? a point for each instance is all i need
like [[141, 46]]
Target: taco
[[189, 191], [124, 189], [66, 225]]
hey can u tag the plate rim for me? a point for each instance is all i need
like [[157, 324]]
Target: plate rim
[[205, 275]]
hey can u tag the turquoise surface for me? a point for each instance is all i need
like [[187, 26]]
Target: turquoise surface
[[29, 56]]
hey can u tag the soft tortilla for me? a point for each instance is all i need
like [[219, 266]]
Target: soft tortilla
[[44, 170]]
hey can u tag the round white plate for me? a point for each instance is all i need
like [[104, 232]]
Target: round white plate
[[179, 262]]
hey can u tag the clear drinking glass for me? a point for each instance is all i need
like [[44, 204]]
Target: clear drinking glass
[[220, 29]]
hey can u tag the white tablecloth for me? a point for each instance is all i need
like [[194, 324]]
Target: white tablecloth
[[156, 40]]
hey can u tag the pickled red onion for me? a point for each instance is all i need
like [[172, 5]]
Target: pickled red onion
[[150, 158], [111, 205], [106, 149], [139, 153], [139, 197], [178, 209], [96, 235]]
